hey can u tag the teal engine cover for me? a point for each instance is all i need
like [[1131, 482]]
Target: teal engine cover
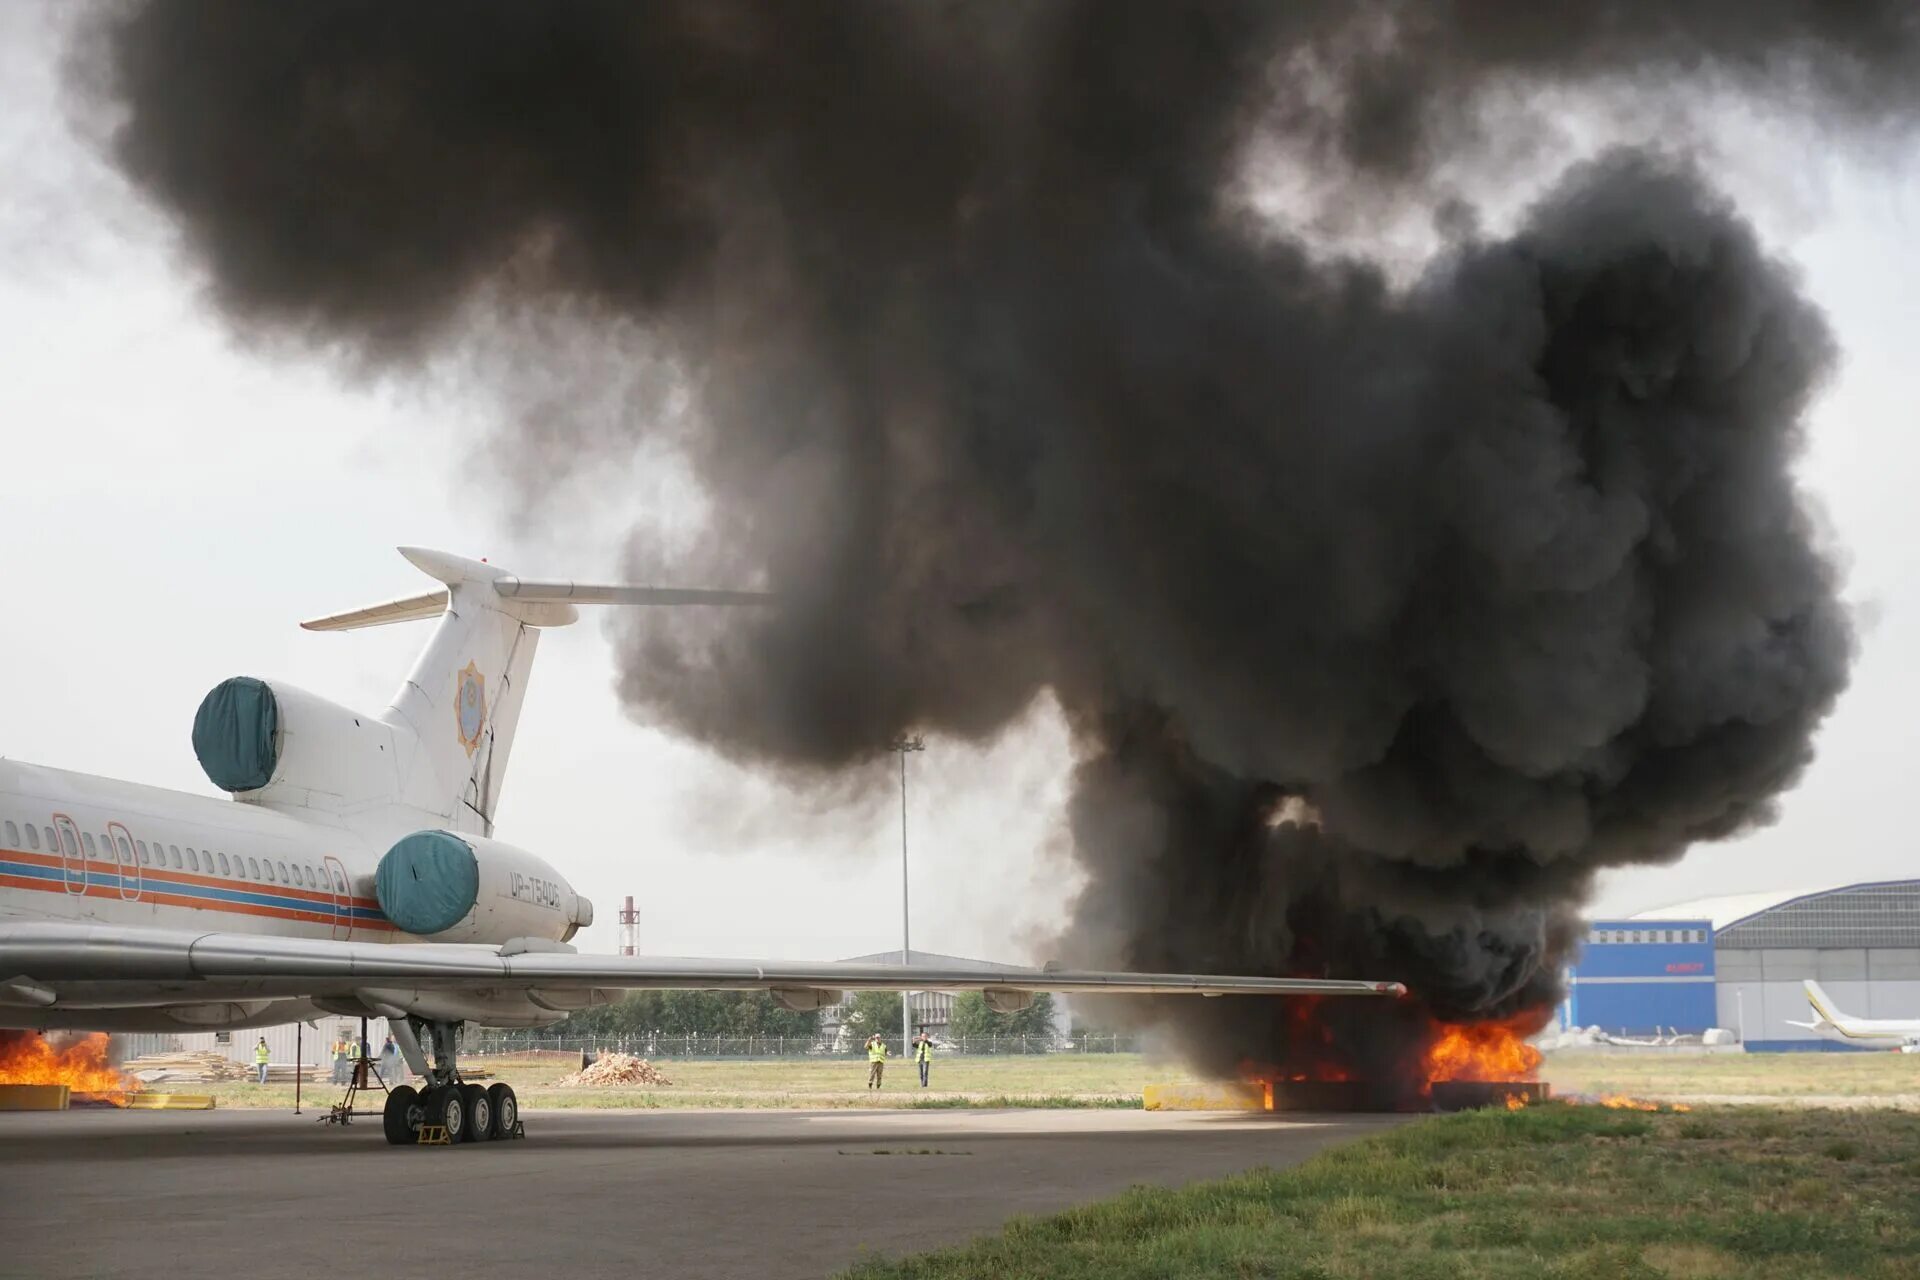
[[236, 734], [427, 882]]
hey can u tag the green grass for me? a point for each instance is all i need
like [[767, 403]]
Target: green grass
[[1554, 1191], [1040, 1080], [1738, 1075], [1115, 1080]]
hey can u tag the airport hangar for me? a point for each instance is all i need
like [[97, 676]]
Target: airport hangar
[[1738, 962]]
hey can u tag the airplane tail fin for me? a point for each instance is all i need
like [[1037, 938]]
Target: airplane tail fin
[[1823, 1004], [460, 704]]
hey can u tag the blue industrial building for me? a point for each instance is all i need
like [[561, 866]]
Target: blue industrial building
[[1739, 962], [1639, 978]]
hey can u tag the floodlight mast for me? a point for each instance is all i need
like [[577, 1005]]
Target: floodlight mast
[[901, 746]]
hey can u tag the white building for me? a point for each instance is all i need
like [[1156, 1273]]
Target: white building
[[934, 1009], [1861, 942], [293, 1042]]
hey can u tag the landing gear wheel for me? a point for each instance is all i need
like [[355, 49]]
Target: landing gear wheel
[[506, 1110], [402, 1117], [479, 1116], [446, 1106]]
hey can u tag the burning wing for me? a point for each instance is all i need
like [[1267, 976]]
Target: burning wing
[[37, 960]]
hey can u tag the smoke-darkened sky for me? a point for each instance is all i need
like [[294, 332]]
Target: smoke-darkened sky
[[992, 372]]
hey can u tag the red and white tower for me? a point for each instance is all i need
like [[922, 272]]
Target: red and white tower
[[629, 928]]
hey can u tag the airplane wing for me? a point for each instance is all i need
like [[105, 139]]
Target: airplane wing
[[405, 976]]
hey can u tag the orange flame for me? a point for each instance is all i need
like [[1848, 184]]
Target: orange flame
[[1481, 1051], [1621, 1102], [81, 1065]]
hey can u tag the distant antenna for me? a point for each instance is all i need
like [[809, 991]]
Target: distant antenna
[[629, 928]]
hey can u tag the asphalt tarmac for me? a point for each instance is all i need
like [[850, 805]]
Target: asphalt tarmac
[[248, 1195]]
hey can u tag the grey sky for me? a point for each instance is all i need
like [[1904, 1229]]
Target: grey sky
[[177, 503]]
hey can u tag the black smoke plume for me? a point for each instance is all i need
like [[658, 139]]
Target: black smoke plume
[[1383, 614]]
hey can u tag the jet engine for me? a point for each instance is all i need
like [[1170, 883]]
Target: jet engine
[[280, 746], [468, 888]]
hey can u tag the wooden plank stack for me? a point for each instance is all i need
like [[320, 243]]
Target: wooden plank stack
[[208, 1068]]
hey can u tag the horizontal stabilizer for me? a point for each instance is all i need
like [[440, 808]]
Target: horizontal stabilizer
[[558, 590], [430, 604]]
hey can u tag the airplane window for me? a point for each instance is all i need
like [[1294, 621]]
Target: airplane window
[[224, 869], [177, 864], [253, 869], [86, 840], [308, 871], [339, 882], [13, 835], [33, 836], [141, 845], [126, 850], [66, 836], [283, 871], [193, 863]]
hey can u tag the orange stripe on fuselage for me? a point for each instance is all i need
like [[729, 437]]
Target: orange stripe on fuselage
[[57, 863]]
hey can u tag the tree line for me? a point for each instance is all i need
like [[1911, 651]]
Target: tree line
[[739, 1014]]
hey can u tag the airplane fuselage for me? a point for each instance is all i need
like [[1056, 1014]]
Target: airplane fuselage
[[84, 849], [1833, 1023]]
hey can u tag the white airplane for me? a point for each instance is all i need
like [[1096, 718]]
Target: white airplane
[[356, 872], [1831, 1024]]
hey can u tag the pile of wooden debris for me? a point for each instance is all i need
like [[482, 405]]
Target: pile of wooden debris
[[614, 1070]]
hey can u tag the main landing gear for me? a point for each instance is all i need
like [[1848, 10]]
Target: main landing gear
[[461, 1111]]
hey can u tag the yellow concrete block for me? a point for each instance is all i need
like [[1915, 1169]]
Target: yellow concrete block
[[150, 1101], [33, 1097], [1217, 1095]]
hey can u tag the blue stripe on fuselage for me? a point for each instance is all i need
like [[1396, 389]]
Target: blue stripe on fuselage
[[211, 893]]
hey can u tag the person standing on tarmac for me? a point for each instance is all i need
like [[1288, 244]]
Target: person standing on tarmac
[[923, 1054], [260, 1056], [339, 1058], [390, 1062], [876, 1060]]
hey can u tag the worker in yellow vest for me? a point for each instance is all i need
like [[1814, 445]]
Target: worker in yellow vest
[[923, 1054], [339, 1059], [354, 1052], [876, 1060], [260, 1056]]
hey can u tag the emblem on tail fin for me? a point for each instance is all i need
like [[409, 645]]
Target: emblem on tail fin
[[470, 707]]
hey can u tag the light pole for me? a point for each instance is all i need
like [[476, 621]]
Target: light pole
[[901, 745]]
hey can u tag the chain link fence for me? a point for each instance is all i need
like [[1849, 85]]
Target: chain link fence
[[482, 1041]]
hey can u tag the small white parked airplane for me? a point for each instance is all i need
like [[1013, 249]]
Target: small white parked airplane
[[358, 874], [1832, 1024]]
